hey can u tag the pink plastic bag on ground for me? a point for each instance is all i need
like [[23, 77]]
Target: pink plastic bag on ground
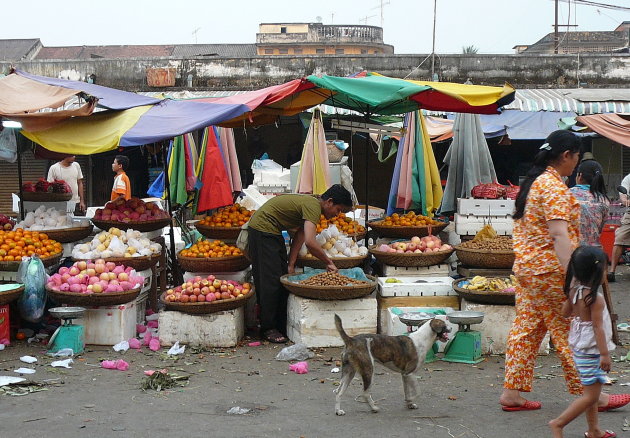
[[154, 345], [118, 364], [299, 367], [134, 343]]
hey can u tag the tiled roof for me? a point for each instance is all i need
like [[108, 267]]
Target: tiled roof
[[112, 52], [221, 50], [18, 49]]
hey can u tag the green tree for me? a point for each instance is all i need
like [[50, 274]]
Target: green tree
[[469, 50]]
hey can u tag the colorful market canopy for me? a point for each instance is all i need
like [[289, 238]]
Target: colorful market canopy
[[611, 126]]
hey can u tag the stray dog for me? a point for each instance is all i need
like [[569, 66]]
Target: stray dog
[[403, 354]]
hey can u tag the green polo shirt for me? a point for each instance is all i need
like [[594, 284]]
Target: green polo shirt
[[285, 212]]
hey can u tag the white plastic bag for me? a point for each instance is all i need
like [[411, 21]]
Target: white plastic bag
[[295, 352], [176, 349]]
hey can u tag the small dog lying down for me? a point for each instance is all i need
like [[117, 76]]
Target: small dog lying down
[[403, 354]]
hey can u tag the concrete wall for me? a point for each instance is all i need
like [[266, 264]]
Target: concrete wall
[[522, 71]]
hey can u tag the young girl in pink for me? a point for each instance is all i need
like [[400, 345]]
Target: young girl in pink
[[590, 336]]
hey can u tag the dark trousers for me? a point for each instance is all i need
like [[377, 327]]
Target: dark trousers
[[268, 253]]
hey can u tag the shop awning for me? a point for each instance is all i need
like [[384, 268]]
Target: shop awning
[[611, 126], [579, 100]]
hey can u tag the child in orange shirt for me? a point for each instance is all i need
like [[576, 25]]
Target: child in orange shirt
[[122, 186]]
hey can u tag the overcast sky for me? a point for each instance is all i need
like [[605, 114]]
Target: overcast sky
[[493, 26]]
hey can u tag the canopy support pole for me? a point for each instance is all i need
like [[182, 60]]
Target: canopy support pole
[[19, 163], [169, 206], [367, 167]]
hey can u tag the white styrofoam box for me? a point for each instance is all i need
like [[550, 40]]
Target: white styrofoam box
[[65, 206], [485, 207], [470, 225], [141, 306], [8, 276], [417, 287], [391, 325], [419, 271], [220, 329], [312, 321], [109, 325], [496, 325], [240, 276]]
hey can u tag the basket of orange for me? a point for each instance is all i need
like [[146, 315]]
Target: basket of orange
[[225, 223], [344, 224], [212, 256], [14, 245], [407, 225]]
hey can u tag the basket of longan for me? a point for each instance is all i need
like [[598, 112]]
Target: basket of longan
[[225, 223], [407, 225], [329, 286], [494, 253], [212, 256]]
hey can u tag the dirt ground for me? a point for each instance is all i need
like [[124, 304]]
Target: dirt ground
[[457, 400]]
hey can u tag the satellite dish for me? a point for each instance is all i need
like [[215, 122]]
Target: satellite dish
[[318, 19]]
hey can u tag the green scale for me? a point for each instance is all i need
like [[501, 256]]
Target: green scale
[[417, 319], [68, 335], [465, 347]]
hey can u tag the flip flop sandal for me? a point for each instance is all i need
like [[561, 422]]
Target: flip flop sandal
[[616, 401], [527, 406], [607, 434], [275, 337]]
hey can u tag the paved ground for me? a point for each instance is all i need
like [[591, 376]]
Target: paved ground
[[457, 400]]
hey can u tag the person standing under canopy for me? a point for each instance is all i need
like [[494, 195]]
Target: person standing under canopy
[[69, 171]]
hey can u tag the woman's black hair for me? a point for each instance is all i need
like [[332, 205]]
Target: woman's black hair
[[588, 265], [592, 173], [556, 144]]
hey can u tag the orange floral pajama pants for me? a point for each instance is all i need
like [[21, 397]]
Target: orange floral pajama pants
[[539, 301]]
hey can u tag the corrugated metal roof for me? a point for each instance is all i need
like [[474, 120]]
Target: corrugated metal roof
[[111, 52], [595, 101], [222, 50], [18, 49]]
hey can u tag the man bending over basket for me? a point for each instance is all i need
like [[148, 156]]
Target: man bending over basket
[[268, 251]]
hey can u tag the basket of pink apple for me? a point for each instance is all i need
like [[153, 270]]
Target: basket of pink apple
[[419, 251], [207, 295], [97, 283]]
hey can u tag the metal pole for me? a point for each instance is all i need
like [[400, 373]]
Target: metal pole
[[19, 163], [433, 47], [167, 188], [556, 38], [367, 167]]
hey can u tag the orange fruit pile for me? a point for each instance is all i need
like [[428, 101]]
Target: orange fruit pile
[[227, 217], [409, 219], [343, 223], [14, 245], [211, 249]]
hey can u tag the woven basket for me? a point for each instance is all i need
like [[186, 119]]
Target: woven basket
[[68, 235], [8, 296], [46, 197], [137, 263], [15, 265], [329, 293], [221, 233], [340, 262], [143, 226], [92, 300], [216, 264], [479, 258], [411, 259], [207, 307], [484, 296], [405, 232], [334, 153]]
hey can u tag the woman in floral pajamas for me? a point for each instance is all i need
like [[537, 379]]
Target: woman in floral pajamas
[[546, 231]]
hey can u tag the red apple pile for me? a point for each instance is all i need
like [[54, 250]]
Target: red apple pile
[[131, 210], [6, 223], [199, 290], [416, 245]]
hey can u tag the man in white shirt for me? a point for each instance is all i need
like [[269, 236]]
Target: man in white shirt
[[69, 171], [622, 234]]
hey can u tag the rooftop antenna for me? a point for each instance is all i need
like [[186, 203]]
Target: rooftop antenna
[[381, 7], [194, 33], [318, 19], [365, 19]]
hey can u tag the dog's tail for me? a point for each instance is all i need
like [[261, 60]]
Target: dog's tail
[[344, 336]]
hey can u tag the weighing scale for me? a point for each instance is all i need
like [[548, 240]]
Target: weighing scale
[[67, 335], [465, 347], [417, 319]]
